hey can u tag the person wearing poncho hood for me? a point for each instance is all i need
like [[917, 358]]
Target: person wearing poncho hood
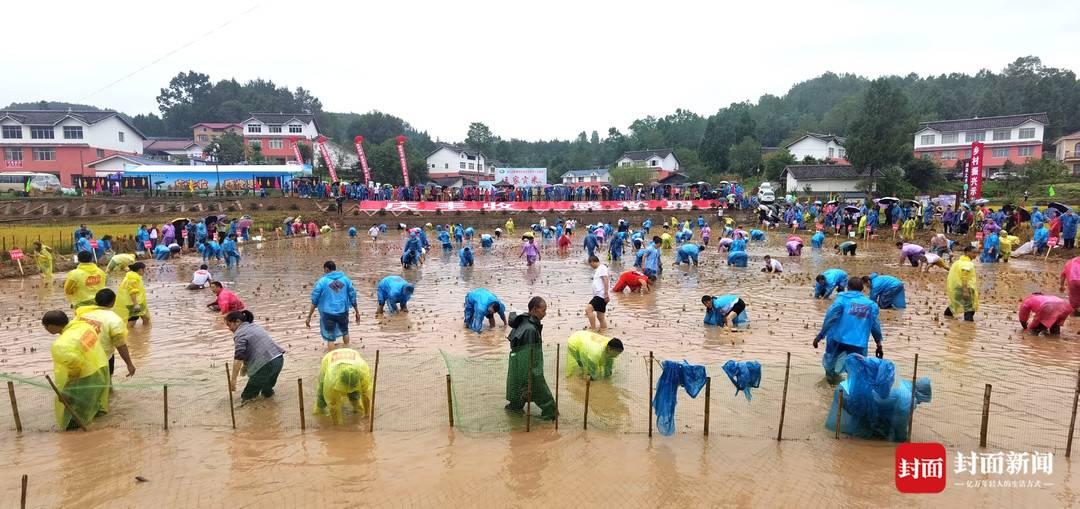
[[80, 368], [479, 304], [84, 281], [526, 345]]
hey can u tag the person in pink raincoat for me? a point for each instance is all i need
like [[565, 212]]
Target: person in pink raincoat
[[1070, 278], [1049, 313]]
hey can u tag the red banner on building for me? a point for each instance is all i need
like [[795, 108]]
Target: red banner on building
[[327, 159], [296, 150], [974, 173], [401, 155], [537, 206], [359, 142]]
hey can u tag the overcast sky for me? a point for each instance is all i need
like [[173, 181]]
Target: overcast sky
[[547, 69]]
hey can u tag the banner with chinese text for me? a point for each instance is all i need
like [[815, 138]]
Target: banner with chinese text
[[537, 206]]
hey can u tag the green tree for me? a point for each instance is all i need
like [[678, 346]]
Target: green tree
[[690, 164], [1043, 171], [889, 181], [630, 175], [923, 174], [480, 137], [776, 162], [880, 135], [745, 157], [226, 149]]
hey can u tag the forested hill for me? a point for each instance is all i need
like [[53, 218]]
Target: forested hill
[[728, 140]]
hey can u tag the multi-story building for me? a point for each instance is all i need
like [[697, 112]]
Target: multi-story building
[[594, 177], [271, 134], [172, 149], [205, 132], [63, 143], [1067, 150], [819, 146], [1015, 138], [453, 162], [661, 159]]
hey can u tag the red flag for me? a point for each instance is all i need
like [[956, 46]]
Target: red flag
[[401, 155], [359, 142]]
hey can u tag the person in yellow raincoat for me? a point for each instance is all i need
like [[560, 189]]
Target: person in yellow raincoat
[[80, 368], [674, 223], [592, 353], [131, 296], [120, 263], [862, 226], [908, 230], [1006, 245], [111, 329], [666, 241], [43, 256], [509, 226], [343, 374], [962, 287], [84, 281]]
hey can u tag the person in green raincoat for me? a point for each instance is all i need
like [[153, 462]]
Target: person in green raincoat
[[592, 353], [526, 344]]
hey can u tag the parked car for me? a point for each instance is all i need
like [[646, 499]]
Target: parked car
[[765, 193]]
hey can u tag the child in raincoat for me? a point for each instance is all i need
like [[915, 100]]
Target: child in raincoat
[[84, 281], [131, 296], [80, 369], [530, 251], [908, 230], [1049, 312], [394, 291], [592, 353], [962, 287], [479, 304], [43, 256], [509, 226], [343, 375], [886, 291]]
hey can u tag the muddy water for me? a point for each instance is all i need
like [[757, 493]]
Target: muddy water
[[187, 347]]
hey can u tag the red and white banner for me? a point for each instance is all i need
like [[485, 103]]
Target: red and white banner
[[327, 159], [401, 155], [359, 142], [537, 206], [296, 150], [974, 172]]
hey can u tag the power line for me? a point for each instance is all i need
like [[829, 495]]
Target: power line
[[170, 53]]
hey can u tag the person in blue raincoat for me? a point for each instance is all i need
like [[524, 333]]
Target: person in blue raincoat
[[444, 238], [486, 240], [352, 232], [757, 235], [141, 237], [826, 282], [590, 243], [718, 308], [465, 257], [737, 258], [394, 291], [886, 291], [1068, 229], [161, 252], [846, 329], [646, 225], [616, 247], [991, 248], [212, 250], [1036, 218], [651, 257], [83, 244], [333, 294], [1041, 238], [411, 253], [738, 244], [480, 304], [200, 231], [873, 408], [469, 233], [687, 253], [229, 250]]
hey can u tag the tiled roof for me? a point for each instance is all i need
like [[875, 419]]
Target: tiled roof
[[216, 125], [642, 155], [839, 140], [142, 161], [168, 144], [456, 149], [823, 172], [585, 173], [966, 124], [50, 117], [281, 118]]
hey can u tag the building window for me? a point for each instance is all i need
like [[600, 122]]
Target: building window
[[277, 143], [120, 136], [13, 154], [831, 152], [1000, 152], [296, 128], [254, 128], [948, 154], [926, 139], [974, 136], [967, 154], [275, 128], [593, 178], [1002, 134], [843, 153], [44, 154], [446, 166], [256, 144], [950, 138], [204, 138], [581, 179], [653, 163], [12, 132], [1025, 151], [472, 166], [462, 165], [42, 133], [1027, 133], [927, 155], [100, 153], [73, 132]]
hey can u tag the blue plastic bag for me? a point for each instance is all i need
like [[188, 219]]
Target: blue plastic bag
[[690, 377], [744, 375]]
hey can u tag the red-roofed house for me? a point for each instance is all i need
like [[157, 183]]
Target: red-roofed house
[[205, 132]]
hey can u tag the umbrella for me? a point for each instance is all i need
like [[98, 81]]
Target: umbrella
[[831, 202], [289, 219], [916, 203], [724, 182], [851, 208], [887, 200], [1024, 214], [245, 223], [622, 185], [981, 201], [1060, 207], [180, 219], [639, 184]]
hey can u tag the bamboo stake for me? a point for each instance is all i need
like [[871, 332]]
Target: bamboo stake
[[528, 394], [165, 402], [18, 421], [839, 412], [1072, 422], [449, 401], [708, 393], [22, 498], [650, 392], [585, 421], [985, 415], [556, 386], [911, 414], [300, 391], [228, 384], [21, 273], [64, 402], [1048, 249], [783, 399], [374, 382]]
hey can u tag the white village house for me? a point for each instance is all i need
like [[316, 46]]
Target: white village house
[[818, 146], [661, 159], [454, 162], [819, 179], [594, 177]]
